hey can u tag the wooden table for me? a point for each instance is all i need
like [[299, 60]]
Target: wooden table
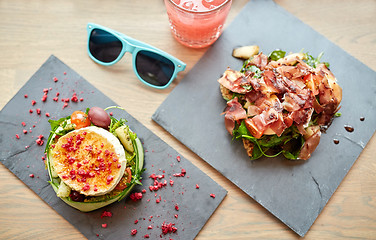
[[30, 31]]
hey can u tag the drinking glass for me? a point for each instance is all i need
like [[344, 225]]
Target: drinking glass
[[197, 23]]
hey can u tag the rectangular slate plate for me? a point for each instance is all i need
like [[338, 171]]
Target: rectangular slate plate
[[294, 191], [23, 157]]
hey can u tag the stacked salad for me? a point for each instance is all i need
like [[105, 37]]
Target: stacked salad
[[93, 159]]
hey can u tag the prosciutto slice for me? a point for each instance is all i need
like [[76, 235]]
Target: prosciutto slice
[[260, 61], [233, 112], [312, 140], [235, 81]]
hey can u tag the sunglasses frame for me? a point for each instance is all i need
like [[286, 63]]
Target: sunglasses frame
[[133, 46]]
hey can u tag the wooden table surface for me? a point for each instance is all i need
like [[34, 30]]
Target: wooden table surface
[[30, 31]]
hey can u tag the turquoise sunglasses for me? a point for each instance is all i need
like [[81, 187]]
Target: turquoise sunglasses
[[152, 66]]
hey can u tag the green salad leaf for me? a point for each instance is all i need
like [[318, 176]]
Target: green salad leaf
[[289, 143], [313, 62], [277, 54]]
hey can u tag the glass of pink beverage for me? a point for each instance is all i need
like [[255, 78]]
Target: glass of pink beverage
[[197, 23]]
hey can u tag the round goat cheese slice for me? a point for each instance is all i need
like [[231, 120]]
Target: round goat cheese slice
[[90, 160]]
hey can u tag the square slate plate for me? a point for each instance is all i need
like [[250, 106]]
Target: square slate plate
[[293, 191], [23, 157]]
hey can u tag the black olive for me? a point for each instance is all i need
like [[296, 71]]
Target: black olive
[[76, 196]]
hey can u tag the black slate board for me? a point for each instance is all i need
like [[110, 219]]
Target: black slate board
[[24, 157], [293, 191]]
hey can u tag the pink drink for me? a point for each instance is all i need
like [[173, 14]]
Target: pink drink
[[197, 23]]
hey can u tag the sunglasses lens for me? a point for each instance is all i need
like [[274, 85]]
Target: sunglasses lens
[[104, 46], [154, 68]]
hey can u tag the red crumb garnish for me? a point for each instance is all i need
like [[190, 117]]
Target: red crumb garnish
[[109, 179], [181, 174], [24, 131], [23, 124], [44, 98], [40, 141], [178, 158], [33, 102], [81, 99], [136, 196], [17, 136], [168, 228], [197, 186], [104, 225], [55, 79], [154, 177], [74, 98], [212, 195], [176, 216], [38, 111], [106, 214], [47, 114], [86, 187], [146, 236], [150, 227], [25, 96], [176, 207], [135, 221], [133, 232], [31, 175]]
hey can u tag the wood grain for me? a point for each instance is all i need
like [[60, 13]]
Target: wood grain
[[30, 31]]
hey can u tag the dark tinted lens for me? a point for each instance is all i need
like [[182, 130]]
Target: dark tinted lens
[[154, 68], [104, 46]]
